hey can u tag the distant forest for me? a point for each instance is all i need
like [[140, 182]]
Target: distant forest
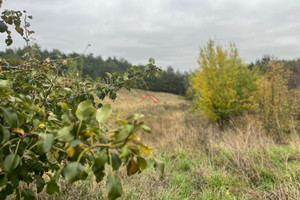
[[92, 66], [169, 80], [292, 65]]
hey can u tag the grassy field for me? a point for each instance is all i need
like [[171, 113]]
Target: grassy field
[[202, 162]]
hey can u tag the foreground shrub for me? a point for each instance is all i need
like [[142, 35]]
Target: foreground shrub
[[54, 126]]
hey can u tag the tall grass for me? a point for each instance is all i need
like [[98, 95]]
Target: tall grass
[[202, 161]]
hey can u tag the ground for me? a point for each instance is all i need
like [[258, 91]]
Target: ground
[[202, 161]]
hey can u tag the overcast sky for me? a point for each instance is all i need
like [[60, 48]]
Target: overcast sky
[[171, 31]]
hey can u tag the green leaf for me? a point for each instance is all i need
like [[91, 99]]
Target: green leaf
[[108, 74], [3, 27], [28, 88], [3, 180], [5, 134], [124, 152], [113, 186], [74, 143], [11, 117], [138, 116], [102, 159], [22, 118], [121, 137], [17, 22], [84, 110], [8, 41], [125, 76], [100, 95], [103, 113], [11, 162], [4, 86], [64, 106], [116, 162], [45, 143], [9, 189], [74, 172], [40, 183], [98, 167], [142, 163], [152, 61], [146, 128], [27, 194], [65, 62], [65, 134], [99, 173], [67, 113], [122, 121], [52, 186], [159, 167]]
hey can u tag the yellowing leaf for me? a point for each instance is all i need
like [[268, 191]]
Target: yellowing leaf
[[48, 59], [40, 110], [71, 151], [46, 67], [80, 146], [87, 134], [132, 168], [118, 115], [42, 125], [67, 144], [20, 30], [146, 150], [55, 154], [136, 137], [18, 130], [4, 61]]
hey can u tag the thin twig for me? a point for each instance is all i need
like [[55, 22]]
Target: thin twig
[[49, 90]]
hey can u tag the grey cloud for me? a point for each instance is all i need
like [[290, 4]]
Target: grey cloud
[[171, 31]]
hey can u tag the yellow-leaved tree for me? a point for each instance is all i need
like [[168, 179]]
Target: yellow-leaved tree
[[223, 85], [277, 105]]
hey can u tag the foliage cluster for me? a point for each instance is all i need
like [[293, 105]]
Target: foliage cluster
[[293, 66], [276, 105], [52, 123], [223, 85], [94, 67]]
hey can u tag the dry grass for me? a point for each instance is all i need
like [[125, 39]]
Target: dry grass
[[263, 169], [202, 162]]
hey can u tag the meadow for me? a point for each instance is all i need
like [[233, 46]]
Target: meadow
[[202, 161], [235, 134]]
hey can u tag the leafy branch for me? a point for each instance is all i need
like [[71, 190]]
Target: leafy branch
[[50, 121]]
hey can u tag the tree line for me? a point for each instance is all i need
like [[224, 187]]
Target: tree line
[[92, 66], [168, 80]]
